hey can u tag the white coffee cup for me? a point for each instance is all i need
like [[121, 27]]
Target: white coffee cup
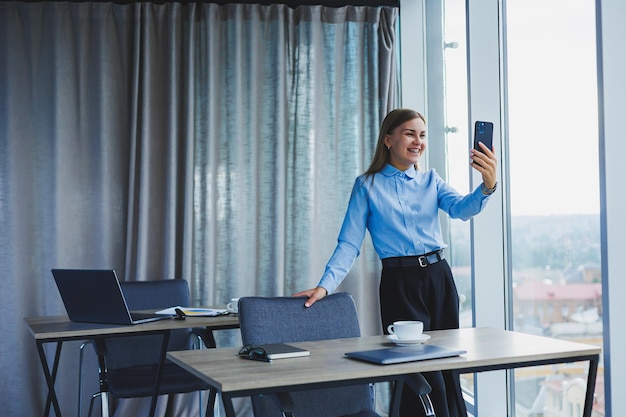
[[233, 306], [406, 329]]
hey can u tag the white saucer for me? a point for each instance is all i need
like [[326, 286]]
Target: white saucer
[[406, 342]]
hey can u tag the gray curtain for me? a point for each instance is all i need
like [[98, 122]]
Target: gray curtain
[[213, 143]]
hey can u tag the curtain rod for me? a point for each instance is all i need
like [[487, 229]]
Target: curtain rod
[[292, 4]]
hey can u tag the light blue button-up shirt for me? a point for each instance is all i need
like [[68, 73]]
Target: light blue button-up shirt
[[401, 211]]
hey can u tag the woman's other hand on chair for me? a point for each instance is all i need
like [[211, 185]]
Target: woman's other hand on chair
[[313, 294]]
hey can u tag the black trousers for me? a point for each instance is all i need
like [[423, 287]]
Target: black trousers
[[429, 295]]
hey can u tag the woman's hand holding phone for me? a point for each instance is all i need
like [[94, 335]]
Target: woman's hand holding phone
[[482, 156]]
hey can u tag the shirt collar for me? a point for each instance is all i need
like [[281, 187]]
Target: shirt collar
[[389, 170]]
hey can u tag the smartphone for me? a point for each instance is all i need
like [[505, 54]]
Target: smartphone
[[483, 132]]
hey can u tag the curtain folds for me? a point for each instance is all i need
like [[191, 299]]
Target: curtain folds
[[213, 143]]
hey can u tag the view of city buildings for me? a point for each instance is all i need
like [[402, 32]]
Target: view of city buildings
[[556, 292]]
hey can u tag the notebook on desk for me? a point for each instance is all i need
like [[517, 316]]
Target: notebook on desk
[[402, 354], [95, 296]]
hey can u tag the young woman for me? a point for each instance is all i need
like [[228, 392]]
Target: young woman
[[399, 205]]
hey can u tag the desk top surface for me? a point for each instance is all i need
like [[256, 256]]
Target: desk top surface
[[55, 328], [486, 348]]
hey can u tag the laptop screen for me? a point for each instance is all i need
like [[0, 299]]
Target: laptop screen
[[92, 296]]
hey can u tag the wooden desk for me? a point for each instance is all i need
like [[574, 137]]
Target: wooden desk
[[57, 329], [487, 349]]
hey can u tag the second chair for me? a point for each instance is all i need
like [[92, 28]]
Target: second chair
[[131, 362]]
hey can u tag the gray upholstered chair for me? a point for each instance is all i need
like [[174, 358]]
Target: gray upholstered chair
[[131, 362], [265, 320]]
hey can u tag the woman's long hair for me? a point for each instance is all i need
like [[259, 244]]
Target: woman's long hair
[[393, 119]]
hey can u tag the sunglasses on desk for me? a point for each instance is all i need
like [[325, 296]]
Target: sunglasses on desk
[[254, 353]]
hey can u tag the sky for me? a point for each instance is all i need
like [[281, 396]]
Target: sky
[[552, 105]]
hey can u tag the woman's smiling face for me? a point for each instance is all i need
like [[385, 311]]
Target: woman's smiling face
[[406, 143]]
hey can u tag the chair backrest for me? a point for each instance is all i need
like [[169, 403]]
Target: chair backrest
[[146, 295], [266, 320], [286, 319]]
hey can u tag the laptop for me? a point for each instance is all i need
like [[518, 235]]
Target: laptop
[[95, 296], [402, 354]]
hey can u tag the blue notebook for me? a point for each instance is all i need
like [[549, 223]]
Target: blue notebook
[[402, 354]]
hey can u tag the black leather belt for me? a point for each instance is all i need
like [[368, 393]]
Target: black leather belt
[[422, 260]]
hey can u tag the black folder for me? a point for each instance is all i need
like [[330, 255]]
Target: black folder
[[402, 354]]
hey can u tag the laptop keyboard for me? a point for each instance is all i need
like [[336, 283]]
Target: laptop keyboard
[[143, 316]]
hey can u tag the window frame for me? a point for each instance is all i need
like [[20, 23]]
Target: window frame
[[423, 88]]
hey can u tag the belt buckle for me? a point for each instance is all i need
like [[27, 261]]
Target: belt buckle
[[423, 261]]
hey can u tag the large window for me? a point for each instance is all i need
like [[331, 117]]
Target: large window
[[554, 192], [550, 162]]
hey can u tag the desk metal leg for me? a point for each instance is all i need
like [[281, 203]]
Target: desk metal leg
[[396, 393], [210, 338], [591, 385], [211, 403], [50, 378], [157, 383], [227, 400]]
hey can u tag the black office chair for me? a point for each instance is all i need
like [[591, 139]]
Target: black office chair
[[265, 320], [131, 362]]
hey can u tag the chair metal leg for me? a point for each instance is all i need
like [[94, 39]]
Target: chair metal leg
[[103, 393], [422, 388], [102, 371], [80, 375], [428, 405], [93, 397], [104, 400]]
